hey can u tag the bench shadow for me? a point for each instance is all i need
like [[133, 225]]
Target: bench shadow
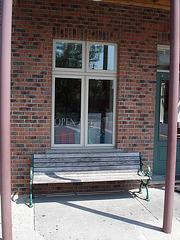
[[112, 216], [138, 195], [20, 199], [82, 196], [53, 175], [70, 201]]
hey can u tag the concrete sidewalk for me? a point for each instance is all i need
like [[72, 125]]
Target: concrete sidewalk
[[94, 216]]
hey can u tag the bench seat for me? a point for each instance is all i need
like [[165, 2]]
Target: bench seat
[[88, 167], [87, 176]]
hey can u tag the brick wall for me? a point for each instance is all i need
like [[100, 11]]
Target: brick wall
[[35, 24]]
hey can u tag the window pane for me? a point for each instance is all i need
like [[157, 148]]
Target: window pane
[[163, 59], [164, 100], [164, 109], [68, 55], [101, 57], [67, 111], [100, 112]]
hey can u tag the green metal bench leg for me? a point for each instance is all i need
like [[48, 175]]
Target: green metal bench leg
[[140, 188], [31, 195], [147, 190]]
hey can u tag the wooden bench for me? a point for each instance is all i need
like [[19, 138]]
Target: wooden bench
[[88, 166]]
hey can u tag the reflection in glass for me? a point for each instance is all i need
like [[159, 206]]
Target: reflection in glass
[[101, 57], [68, 55], [164, 109], [164, 100], [163, 59], [67, 111], [100, 112]]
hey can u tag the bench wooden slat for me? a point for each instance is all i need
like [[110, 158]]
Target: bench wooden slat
[[105, 172], [86, 154], [86, 177], [87, 159], [84, 164], [81, 168]]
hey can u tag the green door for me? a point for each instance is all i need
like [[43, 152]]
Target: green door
[[161, 126]]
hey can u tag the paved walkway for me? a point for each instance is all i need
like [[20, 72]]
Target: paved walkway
[[98, 216]]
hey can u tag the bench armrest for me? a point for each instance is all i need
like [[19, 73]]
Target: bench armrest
[[148, 172], [143, 166]]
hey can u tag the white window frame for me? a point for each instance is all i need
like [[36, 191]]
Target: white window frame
[[163, 47], [53, 106], [110, 72], [68, 69], [84, 74], [114, 110]]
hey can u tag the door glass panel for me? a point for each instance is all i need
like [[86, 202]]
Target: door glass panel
[[101, 57], [164, 100], [100, 112], [164, 109], [68, 55], [163, 59], [67, 115]]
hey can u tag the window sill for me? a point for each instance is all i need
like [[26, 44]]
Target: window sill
[[83, 149]]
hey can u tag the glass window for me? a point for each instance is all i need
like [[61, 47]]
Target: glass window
[[101, 57], [68, 55], [163, 59], [100, 112], [164, 109], [83, 101], [164, 101], [67, 116]]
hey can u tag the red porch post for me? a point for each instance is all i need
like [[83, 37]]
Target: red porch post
[[172, 118], [5, 171]]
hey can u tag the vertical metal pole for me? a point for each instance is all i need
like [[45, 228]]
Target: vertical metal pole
[[172, 118], [5, 63]]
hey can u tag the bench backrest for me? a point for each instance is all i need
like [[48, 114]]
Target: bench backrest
[[86, 161]]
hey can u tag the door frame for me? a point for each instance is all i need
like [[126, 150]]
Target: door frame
[[160, 145]]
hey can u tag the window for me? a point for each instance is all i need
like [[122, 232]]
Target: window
[[163, 58], [84, 93], [163, 67], [164, 101], [68, 55]]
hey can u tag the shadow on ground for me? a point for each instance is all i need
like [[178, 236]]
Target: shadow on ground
[[71, 201]]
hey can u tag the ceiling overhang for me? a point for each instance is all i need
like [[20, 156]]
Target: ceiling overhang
[[161, 4]]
